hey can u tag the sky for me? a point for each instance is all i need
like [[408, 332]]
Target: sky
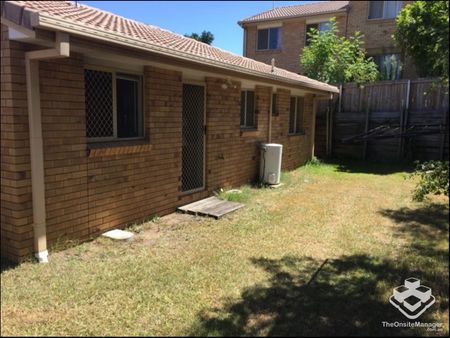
[[186, 17]]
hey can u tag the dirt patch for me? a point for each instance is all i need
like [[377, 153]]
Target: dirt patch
[[165, 224], [176, 219]]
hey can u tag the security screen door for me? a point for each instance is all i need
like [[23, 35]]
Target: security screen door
[[193, 134]]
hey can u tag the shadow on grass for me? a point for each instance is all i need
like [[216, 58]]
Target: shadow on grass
[[347, 296], [6, 265], [433, 215], [426, 230], [305, 297], [368, 167]]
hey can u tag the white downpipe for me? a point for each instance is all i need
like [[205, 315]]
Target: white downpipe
[[62, 49], [269, 138]]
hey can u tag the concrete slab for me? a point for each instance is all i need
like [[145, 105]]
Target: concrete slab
[[117, 234]]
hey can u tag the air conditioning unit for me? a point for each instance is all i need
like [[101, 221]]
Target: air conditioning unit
[[270, 169]]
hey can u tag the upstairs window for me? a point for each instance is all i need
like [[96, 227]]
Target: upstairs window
[[269, 38], [113, 105], [389, 66], [320, 26], [248, 120], [384, 9], [296, 115]]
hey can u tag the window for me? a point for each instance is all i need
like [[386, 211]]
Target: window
[[389, 66], [269, 38], [384, 9], [113, 105], [248, 109], [274, 105], [296, 115], [321, 27]]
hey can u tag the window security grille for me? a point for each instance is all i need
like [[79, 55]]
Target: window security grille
[[248, 119], [99, 104], [113, 105], [193, 138], [296, 115]]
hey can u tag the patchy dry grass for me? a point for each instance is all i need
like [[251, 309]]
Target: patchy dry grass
[[318, 256]]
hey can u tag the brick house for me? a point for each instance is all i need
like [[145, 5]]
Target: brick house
[[106, 121], [280, 33]]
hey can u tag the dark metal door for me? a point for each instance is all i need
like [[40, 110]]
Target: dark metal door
[[193, 152]]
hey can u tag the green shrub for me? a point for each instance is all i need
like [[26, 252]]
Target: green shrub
[[433, 179], [314, 162]]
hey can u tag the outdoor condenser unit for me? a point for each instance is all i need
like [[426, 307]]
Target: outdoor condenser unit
[[270, 169]]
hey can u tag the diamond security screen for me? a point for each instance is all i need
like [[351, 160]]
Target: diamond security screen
[[193, 138], [99, 103]]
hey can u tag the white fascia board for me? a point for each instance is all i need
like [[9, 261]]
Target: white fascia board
[[269, 25]]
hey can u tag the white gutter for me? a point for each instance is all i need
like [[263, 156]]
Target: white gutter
[[62, 49], [247, 21], [72, 27]]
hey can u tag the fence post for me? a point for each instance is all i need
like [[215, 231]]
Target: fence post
[[406, 115], [367, 122], [332, 112], [445, 123], [327, 130], [403, 119]]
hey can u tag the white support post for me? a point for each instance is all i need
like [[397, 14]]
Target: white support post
[[313, 127]]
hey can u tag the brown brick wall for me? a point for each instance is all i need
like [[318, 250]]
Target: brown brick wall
[[296, 148], [377, 32], [92, 188], [16, 207], [64, 140], [377, 37], [292, 43]]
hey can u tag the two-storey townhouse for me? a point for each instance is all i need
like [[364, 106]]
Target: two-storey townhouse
[[281, 33]]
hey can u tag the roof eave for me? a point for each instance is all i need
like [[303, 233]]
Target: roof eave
[[242, 23], [33, 19], [70, 27], [19, 15]]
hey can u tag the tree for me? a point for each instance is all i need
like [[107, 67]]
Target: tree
[[206, 37], [333, 59], [422, 32]]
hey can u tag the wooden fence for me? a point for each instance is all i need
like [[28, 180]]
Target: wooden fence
[[403, 104]]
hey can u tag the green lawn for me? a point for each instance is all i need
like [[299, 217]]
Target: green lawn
[[318, 256]]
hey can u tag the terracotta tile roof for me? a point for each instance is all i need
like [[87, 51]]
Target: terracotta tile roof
[[296, 11], [163, 40]]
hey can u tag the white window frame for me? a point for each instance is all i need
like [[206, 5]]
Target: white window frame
[[122, 74], [268, 38], [399, 6], [244, 126]]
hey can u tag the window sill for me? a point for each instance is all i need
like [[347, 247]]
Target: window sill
[[300, 133], [119, 147], [380, 20], [249, 132], [278, 50]]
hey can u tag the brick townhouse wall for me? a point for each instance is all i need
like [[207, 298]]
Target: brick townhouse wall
[[90, 189], [377, 37], [293, 36], [377, 33], [16, 209]]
